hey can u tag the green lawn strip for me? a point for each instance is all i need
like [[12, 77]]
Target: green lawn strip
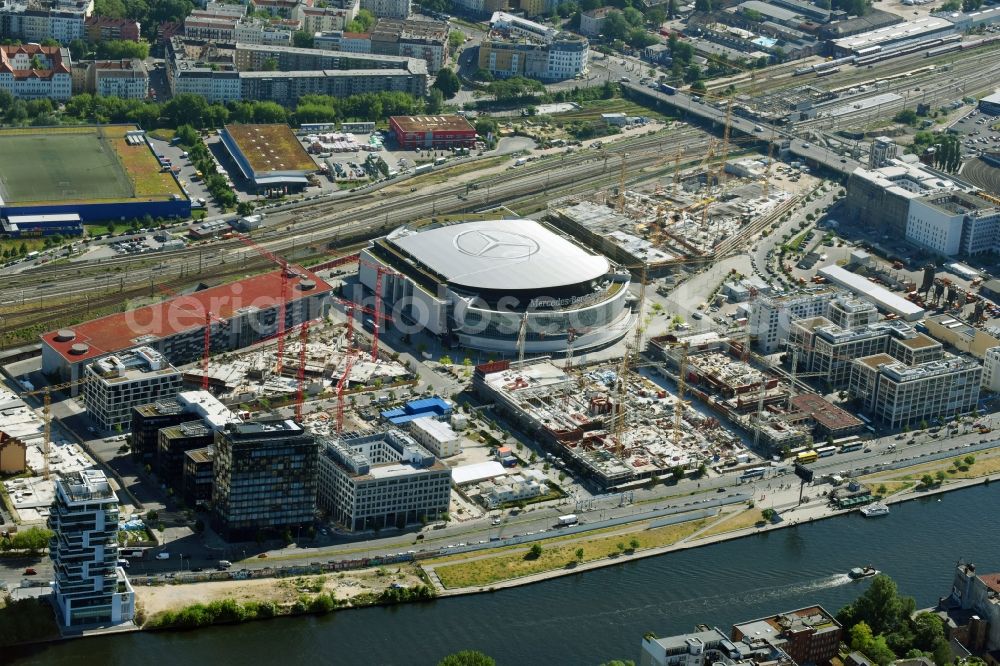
[[508, 565]]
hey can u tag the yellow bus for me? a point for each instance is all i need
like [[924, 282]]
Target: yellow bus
[[807, 457]]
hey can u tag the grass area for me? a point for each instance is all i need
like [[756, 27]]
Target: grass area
[[736, 521], [592, 110], [144, 171], [444, 175], [892, 487], [796, 243], [101, 229], [164, 134], [15, 243], [982, 466], [514, 564]]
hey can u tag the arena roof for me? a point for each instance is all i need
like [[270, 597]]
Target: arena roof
[[124, 330], [515, 255]]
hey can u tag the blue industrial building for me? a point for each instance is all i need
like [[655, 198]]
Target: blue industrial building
[[99, 212], [19, 226], [417, 409]]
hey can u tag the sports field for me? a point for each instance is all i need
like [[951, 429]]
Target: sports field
[[59, 166], [70, 165]]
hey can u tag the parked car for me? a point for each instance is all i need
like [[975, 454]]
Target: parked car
[[163, 556], [30, 572]]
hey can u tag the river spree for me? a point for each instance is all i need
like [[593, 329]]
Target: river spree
[[584, 620]]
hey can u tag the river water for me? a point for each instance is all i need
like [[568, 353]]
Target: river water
[[599, 615]]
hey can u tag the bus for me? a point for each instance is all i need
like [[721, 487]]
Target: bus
[[807, 457], [755, 473], [853, 446], [794, 453], [826, 451]]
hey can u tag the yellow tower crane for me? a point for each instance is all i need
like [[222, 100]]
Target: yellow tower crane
[[46, 393]]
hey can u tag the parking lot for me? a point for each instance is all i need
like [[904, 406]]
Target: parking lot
[[187, 175], [979, 132]]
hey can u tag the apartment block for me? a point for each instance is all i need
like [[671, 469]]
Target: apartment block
[[30, 71], [426, 40], [89, 588], [104, 28], [384, 479], [436, 436], [897, 394], [395, 9], [592, 20], [771, 317], [125, 79], [991, 370], [33, 21], [334, 16], [829, 350], [561, 59], [265, 478], [119, 382]]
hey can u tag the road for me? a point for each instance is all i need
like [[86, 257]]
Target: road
[[539, 522]]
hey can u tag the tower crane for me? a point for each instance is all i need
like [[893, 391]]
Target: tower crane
[[620, 206], [341, 385], [681, 386], [300, 389], [283, 299], [46, 393], [380, 272], [522, 334]]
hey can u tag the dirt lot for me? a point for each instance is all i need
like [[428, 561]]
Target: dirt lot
[[279, 590]]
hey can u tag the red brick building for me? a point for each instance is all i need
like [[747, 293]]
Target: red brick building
[[416, 132], [102, 28], [807, 635]]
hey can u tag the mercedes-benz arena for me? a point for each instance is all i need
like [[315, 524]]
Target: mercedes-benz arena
[[477, 284]]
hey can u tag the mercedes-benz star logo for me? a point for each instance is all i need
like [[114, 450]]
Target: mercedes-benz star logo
[[495, 244]]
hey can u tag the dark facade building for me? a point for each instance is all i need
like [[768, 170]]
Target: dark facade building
[[198, 476], [148, 420], [265, 477], [173, 443]]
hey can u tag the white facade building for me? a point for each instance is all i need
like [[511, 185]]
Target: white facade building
[[991, 370], [934, 228], [30, 71], [399, 9], [121, 381], [385, 479], [436, 436], [771, 317], [88, 585], [124, 79]]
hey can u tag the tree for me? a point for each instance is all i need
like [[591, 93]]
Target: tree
[[244, 208], [940, 476], [535, 551], [872, 646], [615, 27], [447, 82], [952, 6], [78, 49], [117, 49], [270, 65], [928, 630], [455, 40], [33, 540], [633, 544], [579, 554], [303, 39], [467, 658], [927, 480], [703, 5], [767, 514], [362, 22], [880, 607], [971, 5], [672, 9]]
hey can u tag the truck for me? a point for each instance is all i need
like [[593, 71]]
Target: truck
[[670, 90], [520, 161], [423, 168], [567, 520]]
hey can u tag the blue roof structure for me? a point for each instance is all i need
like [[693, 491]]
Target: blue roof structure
[[417, 409]]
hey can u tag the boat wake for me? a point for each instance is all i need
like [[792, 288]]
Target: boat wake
[[671, 607]]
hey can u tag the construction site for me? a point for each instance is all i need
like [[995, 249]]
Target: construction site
[[703, 216], [615, 429]]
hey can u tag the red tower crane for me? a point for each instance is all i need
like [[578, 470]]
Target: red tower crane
[[341, 385], [264, 252], [300, 393], [351, 307], [380, 271]]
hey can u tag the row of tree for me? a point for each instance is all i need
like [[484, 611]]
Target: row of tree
[[149, 13]]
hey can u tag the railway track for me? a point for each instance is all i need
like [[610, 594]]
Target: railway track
[[318, 230]]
